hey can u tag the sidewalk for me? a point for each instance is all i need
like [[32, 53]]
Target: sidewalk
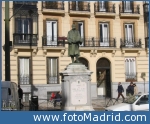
[[99, 104]]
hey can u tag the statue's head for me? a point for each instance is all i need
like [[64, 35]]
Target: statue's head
[[73, 26]]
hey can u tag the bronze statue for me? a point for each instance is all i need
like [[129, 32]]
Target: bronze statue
[[74, 39]]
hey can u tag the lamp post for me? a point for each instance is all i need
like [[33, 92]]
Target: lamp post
[[7, 49]]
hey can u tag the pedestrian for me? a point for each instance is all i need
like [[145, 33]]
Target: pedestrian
[[57, 98], [20, 94], [130, 89], [120, 91], [135, 89]]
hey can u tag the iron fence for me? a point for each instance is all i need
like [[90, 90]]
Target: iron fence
[[98, 42], [53, 41], [134, 9], [104, 8], [131, 76], [79, 6], [25, 39], [130, 43], [53, 5]]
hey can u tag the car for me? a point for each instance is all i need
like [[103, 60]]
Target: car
[[9, 96], [139, 102]]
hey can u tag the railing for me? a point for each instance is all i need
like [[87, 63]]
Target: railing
[[147, 42], [130, 43], [53, 5], [129, 9], [53, 41], [79, 6], [107, 9], [131, 76], [25, 39], [24, 79], [98, 42], [25, 2], [52, 79]]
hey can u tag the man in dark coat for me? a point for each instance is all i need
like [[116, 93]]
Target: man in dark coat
[[130, 89], [74, 39], [120, 90], [58, 98], [20, 94]]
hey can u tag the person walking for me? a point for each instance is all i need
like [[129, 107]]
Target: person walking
[[120, 91], [20, 94], [57, 98]]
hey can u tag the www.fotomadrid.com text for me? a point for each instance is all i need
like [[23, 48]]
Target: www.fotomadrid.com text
[[89, 117]]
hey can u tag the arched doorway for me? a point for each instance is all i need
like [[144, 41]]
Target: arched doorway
[[84, 62], [103, 77]]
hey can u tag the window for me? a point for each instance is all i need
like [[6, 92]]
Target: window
[[77, 5], [129, 35], [52, 64], [104, 34], [80, 28], [130, 68], [51, 32], [127, 6], [24, 70], [26, 97], [102, 5], [144, 99]]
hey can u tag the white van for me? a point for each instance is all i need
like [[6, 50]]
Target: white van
[[9, 96]]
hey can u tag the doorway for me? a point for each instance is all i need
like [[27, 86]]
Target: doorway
[[103, 77]]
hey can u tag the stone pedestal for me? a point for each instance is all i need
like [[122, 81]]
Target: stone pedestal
[[76, 88]]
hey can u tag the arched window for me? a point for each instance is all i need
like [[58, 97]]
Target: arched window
[[130, 68]]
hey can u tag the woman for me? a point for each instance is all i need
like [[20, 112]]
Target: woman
[[135, 89]]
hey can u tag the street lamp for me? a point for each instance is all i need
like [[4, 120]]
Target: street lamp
[[143, 75]]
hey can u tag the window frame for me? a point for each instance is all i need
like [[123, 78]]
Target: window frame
[[130, 64], [30, 70], [47, 63]]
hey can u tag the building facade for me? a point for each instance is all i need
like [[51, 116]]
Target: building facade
[[115, 44]]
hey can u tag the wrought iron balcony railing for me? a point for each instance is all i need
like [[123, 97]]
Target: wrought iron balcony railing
[[98, 42], [58, 5], [147, 42], [131, 76], [129, 9], [52, 79], [53, 41], [25, 39], [25, 79], [104, 8], [130, 43], [79, 6], [25, 2]]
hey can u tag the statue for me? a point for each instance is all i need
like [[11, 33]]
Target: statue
[[74, 39]]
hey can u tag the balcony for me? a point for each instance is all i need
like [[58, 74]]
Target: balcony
[[53, 7], [104, 9], [129, 11], [131, 76], [26, 4], [131, 44], [79, 8], [98, 43], [24, 79], [52, 79], [24, 40], [147, 42], [50, 42]]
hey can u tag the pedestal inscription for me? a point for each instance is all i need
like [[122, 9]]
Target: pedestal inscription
[[78, 93]]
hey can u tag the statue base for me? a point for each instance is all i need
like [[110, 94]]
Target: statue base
[[76, 88]]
